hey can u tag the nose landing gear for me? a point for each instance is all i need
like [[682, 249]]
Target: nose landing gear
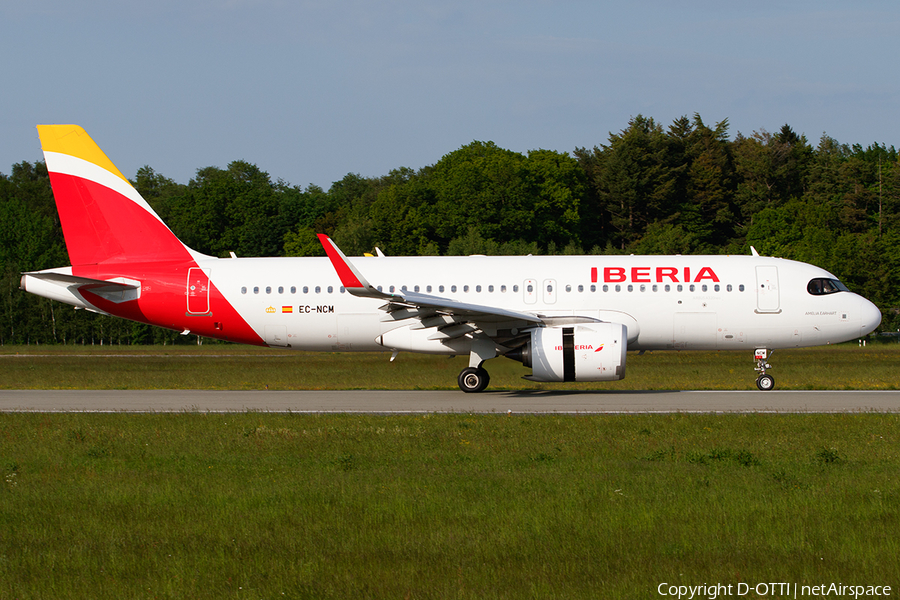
[[764, 382]]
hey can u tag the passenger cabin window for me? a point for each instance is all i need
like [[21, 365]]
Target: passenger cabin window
[[244, 290], [821, 286]]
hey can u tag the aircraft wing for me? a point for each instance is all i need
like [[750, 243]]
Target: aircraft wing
[[357, 285], [450, 318]]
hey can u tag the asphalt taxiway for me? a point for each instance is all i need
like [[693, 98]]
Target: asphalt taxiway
[[387, 402]]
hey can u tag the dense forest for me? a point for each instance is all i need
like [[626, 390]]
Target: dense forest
[[687, 188]]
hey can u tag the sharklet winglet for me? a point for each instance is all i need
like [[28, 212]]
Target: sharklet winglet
[[350, 277]]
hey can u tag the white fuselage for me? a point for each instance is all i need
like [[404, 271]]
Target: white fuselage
[[666, 302]]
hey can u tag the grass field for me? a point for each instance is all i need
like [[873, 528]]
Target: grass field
[[443, 506], [219, 366], [257, 505]]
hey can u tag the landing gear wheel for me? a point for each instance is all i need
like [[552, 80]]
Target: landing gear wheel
[[473, 379], [765, 382]]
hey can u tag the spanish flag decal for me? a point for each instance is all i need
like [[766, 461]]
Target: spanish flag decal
[[287, 309]]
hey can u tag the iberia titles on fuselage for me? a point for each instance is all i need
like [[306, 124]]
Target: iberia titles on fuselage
[[661, 274]]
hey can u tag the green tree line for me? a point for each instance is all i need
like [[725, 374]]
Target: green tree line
[[688, 188]]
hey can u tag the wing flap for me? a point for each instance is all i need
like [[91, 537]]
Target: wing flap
[[480, 312], [453, 331]]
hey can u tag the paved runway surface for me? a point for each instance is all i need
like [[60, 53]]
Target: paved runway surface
[[446, 401]]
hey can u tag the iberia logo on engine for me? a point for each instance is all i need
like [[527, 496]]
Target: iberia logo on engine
[[583, 347]]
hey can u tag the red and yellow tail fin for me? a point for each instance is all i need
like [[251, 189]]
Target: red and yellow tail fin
[[104, 219]]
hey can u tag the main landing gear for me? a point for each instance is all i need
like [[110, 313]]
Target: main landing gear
[[764, 382], [473, 379]]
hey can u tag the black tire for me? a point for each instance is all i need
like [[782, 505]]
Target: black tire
[[765, 382], [473, 379]]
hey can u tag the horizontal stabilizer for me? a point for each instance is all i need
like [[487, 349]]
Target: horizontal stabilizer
[[64, 279], [117, 290]]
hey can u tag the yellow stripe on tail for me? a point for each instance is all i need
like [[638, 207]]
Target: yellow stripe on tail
[[74, 141]]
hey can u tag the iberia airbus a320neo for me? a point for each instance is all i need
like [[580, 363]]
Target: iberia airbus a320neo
[[568, 318]]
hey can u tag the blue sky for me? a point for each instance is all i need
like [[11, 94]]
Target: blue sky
[[312, 90]]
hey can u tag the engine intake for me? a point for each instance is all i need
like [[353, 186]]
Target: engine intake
[[594, 352]]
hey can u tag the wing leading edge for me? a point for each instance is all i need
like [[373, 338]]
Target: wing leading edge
[[420, 305]]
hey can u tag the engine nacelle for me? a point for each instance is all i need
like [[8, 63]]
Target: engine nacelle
[[591, 352]]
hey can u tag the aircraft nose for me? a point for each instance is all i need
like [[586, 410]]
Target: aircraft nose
[[869, 316]]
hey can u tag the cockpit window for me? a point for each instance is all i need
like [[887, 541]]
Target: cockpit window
[[821, 286]]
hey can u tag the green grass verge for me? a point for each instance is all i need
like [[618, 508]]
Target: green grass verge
[[255, 505], [241, 367]]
